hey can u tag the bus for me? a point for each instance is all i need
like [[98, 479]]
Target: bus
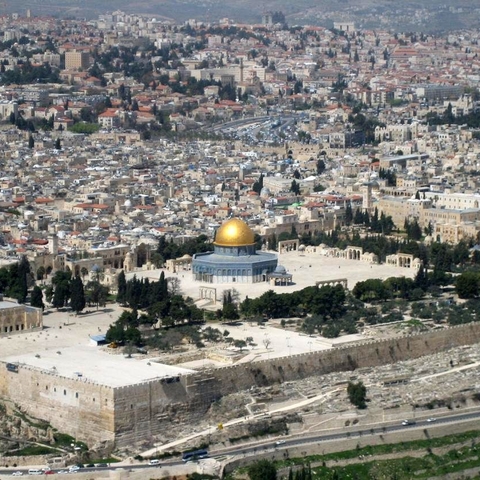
[[194, 455]]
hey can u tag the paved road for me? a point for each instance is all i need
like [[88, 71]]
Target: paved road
[[305, 439], [346, 433]]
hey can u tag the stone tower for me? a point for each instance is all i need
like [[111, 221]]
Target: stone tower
[[53, 244], [366, 190]]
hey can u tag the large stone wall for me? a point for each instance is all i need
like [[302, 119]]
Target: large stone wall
[[78, 407], [366, 354], [139, 413], [148, 409]]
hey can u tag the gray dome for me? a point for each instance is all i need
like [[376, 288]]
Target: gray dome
[[280, 269]]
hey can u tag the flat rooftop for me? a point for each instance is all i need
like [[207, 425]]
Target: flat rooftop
[[96, 365], [4, 305]]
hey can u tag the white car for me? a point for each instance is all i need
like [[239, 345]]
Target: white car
[[280, 442], [431, 419], [17, 474]]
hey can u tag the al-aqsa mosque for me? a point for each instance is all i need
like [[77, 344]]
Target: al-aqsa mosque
[[234, 259]]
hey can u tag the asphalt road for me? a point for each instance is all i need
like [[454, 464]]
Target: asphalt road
[[245, 450], [348, 432]]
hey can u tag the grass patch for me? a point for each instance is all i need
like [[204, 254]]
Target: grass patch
[[31, 450], [386, 448], [63, 440], [160, 456], [455, 460], [104, 460], [401, 468]]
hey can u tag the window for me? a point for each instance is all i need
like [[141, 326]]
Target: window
[[76, 394]]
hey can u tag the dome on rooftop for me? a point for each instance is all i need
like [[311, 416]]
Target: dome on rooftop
[[234, 233], [280, 269]]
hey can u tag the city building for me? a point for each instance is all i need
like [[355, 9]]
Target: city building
[[235, 258], [16, 318], [77, 60]]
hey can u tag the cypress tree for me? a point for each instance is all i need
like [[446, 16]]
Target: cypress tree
[[22, 281], [37, 298], [348, 214], [122, 287], [163, 287], [77, 295]]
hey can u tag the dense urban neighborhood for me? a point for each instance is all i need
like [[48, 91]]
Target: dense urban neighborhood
[[224, 244]]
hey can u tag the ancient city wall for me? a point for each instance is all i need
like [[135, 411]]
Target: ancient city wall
[[139, 413], [146, 410], [78, 407], [366, 354]]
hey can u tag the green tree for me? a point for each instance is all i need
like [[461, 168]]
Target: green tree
[[295, 188], [262, 470], [41, 273], [373, 289], [22, 279], [96, 293], [467, 285], [240, 344], [357, 394], [77, 295], [121, 288], [258, 185], [421, 278], [31, 142], [61, 295], [36, 299], [348, 214], [320, 166]]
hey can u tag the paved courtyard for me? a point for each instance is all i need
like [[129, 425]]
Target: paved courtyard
[[305, 268], [69, 334]]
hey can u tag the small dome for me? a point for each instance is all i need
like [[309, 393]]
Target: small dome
[[265, 192], [234, 233], [280, 269]]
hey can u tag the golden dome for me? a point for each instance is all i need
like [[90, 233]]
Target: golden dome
[[234, 233]]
